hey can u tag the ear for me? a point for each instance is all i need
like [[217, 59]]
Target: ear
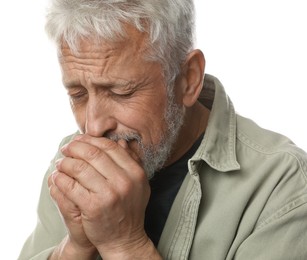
[[192, 77]]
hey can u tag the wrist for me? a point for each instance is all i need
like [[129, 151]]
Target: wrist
[[68, 250], [141, 249]]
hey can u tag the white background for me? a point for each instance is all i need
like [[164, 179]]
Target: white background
[[256, 48]]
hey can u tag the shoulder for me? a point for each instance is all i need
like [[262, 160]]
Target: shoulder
[[266, 143], [280, 163]]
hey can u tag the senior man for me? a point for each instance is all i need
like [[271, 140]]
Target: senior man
[[162, 167]]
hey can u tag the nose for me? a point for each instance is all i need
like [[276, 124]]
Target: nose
[[99, 118]]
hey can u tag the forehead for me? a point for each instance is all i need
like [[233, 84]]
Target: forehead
[[106, 61], [134, 43]]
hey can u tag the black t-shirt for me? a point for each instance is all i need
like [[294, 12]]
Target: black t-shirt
[[164, 187]]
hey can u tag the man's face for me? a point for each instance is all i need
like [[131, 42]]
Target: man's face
[[115, 93]]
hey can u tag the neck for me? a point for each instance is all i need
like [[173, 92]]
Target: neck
[[195, 124]]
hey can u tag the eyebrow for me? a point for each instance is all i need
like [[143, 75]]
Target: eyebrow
[[99, 83]]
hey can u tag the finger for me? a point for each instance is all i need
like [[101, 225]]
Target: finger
[[94, 156], [68, 209], [65, 187], [108, 159], [131, 170], [102, 142], [124, 144], [83, 172]]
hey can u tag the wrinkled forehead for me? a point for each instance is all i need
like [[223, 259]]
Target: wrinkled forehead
[[133, 41], [101, 60]]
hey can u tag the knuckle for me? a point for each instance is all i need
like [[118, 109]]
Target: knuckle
[[71, 187], [111, 199], [80, 166], [92, 153], [109, 144], [68, 186], [140, 174], [126, 187]]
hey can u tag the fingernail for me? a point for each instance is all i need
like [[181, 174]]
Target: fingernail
[[53, 176], [63, 148], [57, 162]]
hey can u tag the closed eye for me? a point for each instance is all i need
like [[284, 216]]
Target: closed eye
[[77, 96], [122, 94]]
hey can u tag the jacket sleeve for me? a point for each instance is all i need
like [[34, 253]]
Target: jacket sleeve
[[50, 229], [281, 231], [283, 237]]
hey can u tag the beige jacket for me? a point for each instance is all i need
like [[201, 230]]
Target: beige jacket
[[245, 196]]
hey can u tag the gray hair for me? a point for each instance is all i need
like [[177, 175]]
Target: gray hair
[[169, 24]]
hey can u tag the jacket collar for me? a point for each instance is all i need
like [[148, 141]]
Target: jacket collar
[[218, 148]]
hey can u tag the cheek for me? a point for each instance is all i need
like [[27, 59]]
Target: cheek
[[148, 121]]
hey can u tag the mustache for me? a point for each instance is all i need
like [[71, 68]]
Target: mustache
[[124, 136]]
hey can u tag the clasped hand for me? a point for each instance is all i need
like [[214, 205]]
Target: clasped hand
[[102, 192]]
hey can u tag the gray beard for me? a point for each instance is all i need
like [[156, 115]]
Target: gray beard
[[155, 156]]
